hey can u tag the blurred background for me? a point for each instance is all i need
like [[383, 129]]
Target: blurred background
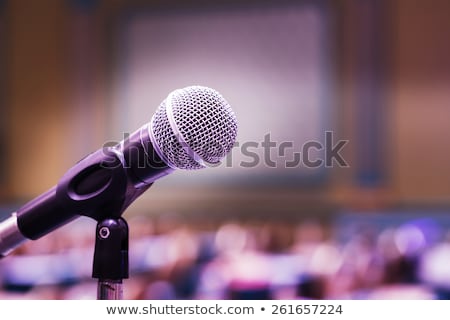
[[77, 74]]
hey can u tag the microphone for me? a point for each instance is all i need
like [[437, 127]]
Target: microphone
[[191, 128]]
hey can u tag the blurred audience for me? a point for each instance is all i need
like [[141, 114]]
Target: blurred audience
[[172, 258]]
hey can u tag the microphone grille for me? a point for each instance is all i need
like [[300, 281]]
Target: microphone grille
[[193, 125]]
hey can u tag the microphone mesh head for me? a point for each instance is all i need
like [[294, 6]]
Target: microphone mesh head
[[192, 126]]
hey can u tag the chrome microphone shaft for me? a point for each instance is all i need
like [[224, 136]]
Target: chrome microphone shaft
[[10, 235]]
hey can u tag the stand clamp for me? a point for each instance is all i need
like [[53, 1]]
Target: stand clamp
[[111, 258]]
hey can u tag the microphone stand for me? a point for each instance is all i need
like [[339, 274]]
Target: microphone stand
[[111, 258], [100, 186]]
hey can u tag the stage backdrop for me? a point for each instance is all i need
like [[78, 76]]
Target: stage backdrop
[[271, 62]]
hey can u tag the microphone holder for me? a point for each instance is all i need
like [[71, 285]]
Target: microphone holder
[[110, 265], [100, 186]]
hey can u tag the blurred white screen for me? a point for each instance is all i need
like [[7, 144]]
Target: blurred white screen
[[270, 63]]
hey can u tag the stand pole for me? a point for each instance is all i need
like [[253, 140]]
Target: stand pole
[[111, 258], [109, 290]]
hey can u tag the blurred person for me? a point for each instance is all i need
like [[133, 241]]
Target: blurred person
[[434, 269], [361, 269], [238, 271], [403, 248], [321, 259], [184, 271]]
